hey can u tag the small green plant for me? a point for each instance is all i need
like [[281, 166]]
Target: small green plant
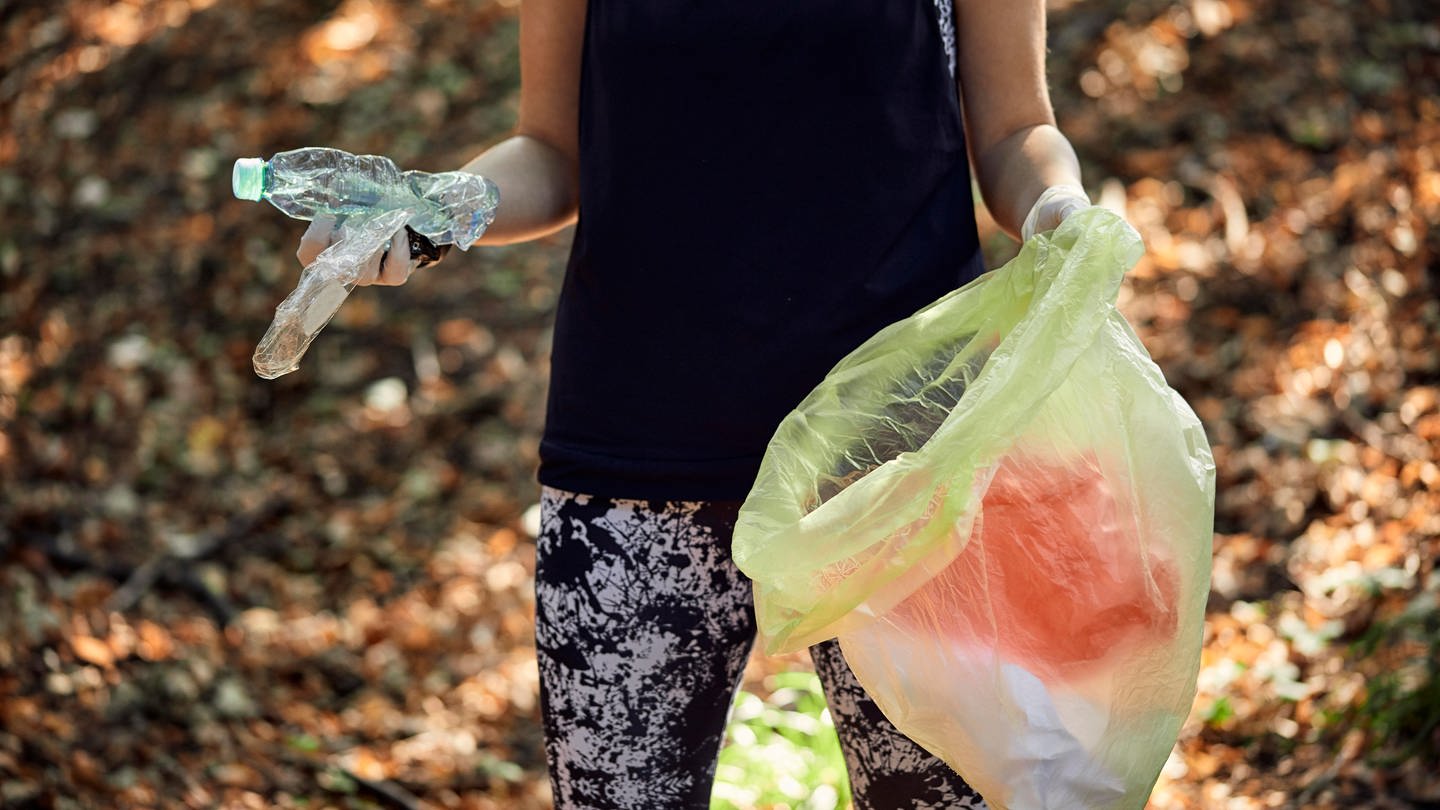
[[782, 752], [1219, 711], [1401, 710]]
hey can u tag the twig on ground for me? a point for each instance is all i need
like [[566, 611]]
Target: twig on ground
[[391, 792], [384, 789], [169, 568], [171, 565]]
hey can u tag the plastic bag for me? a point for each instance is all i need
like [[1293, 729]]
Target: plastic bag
[[324, 285], [1005, 514]]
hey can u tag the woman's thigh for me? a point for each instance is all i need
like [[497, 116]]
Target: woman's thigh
[[643, 627], [887, 770]]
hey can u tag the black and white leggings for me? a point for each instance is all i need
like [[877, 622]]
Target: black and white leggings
[[643, 628]]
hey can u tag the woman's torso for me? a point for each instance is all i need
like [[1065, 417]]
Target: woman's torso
[[763, 187]]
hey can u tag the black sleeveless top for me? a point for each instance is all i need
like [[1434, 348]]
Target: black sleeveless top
[[763, 186]]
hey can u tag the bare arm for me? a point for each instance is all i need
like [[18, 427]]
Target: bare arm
[[537, 168], [1014, 144]]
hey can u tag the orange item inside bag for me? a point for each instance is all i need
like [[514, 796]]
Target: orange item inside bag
[[1051, 577]]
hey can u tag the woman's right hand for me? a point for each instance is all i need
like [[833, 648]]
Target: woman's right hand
[[390, 267]]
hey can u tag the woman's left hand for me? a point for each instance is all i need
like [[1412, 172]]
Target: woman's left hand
[[1054, 205], [405, 253]]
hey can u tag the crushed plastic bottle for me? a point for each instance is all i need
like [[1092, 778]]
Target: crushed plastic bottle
[[372, 198], [447, 208]]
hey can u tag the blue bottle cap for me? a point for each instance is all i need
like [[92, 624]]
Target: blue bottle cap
[[248, 178]]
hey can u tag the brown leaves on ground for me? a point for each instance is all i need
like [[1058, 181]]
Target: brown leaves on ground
[[369, 643]]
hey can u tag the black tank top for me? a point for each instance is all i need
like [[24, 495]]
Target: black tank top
[[763, 186]]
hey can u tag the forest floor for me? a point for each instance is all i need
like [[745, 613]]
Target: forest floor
[[221, 591]]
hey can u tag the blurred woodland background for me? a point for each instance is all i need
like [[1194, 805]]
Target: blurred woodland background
[[217, 591]]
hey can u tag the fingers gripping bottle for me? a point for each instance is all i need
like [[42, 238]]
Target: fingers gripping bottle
[[372, 198]]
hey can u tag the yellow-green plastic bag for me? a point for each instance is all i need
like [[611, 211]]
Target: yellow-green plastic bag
[[1005, 515]]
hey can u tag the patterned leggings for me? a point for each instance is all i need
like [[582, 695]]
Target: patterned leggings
[[644, 625]]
